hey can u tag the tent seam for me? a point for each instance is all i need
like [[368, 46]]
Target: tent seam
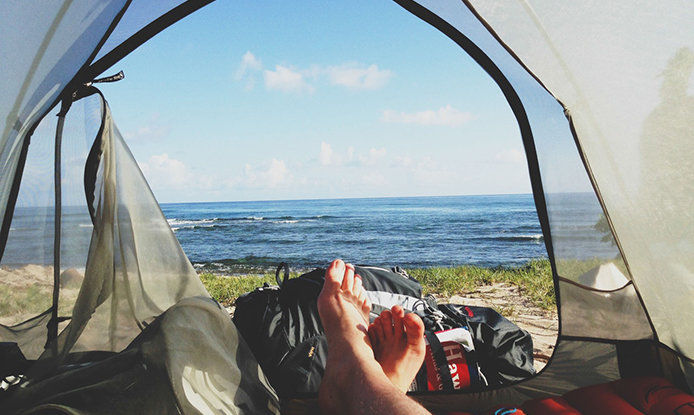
[[145, 34]]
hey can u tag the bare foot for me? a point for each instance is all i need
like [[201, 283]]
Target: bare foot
[[398, 344], [344, 312], [342, 304]]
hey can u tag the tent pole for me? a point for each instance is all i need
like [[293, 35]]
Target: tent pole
[[52, 334]]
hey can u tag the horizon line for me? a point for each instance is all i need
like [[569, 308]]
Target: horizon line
[[355, 198]]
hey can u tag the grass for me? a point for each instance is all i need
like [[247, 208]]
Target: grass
[[227, 289], [32, 300], [534, 280], [20, 303]]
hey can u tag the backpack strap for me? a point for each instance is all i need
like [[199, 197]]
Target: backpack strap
[[421, 381], [440, 360], [286, 273]]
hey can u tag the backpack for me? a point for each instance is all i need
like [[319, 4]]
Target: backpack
[[283, 329], [504, 351]]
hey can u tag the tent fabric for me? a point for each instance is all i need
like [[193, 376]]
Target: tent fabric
[[607, 307], [38, 61], [189, 360], [570, 211], [135, 267], [26, 268], [623, 71], [140, 304], [137, 15], [142, 21], [602, 95]]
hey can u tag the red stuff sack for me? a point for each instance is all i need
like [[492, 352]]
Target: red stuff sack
[[449, 363]]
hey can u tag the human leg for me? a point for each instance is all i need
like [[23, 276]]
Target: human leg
[[354, 382]]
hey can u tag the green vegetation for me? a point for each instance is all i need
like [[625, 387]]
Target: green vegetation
[[31, 300], [226, 289], [534, 280], [21, 303]]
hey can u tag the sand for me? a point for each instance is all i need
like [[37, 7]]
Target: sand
[[506, 299]]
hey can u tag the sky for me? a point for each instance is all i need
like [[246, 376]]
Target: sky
[[251, 100]]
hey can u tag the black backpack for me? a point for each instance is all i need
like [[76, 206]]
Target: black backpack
[[283, 329]]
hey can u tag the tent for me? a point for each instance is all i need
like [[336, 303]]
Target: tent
[[601, 90]]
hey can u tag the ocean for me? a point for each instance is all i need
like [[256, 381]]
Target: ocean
[[244, 237], [253, 237]]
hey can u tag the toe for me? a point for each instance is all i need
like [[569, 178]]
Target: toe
[[398, 314], [387, 324], [377, 330], [371, 331], [334, 274], [366, 306], [348, 280], [357, 289], [414, 329]]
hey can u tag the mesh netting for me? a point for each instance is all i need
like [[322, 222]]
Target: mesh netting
[[624, 72]]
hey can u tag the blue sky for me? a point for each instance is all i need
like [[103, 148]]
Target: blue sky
[[251, 100]]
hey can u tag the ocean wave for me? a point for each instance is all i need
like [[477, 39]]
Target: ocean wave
[[177, 224], [509, 238], [189, 222], [513, 238]]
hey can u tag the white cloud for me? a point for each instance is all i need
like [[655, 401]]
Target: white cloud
[[349, 158], [326, 154], [350, 154], [274, 174], [248, 68], [357, 76], [164, 171], [286, 79], [277, 173], [402, 161], [511, 155], [447, 116], [373, 156], [248, 63]]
